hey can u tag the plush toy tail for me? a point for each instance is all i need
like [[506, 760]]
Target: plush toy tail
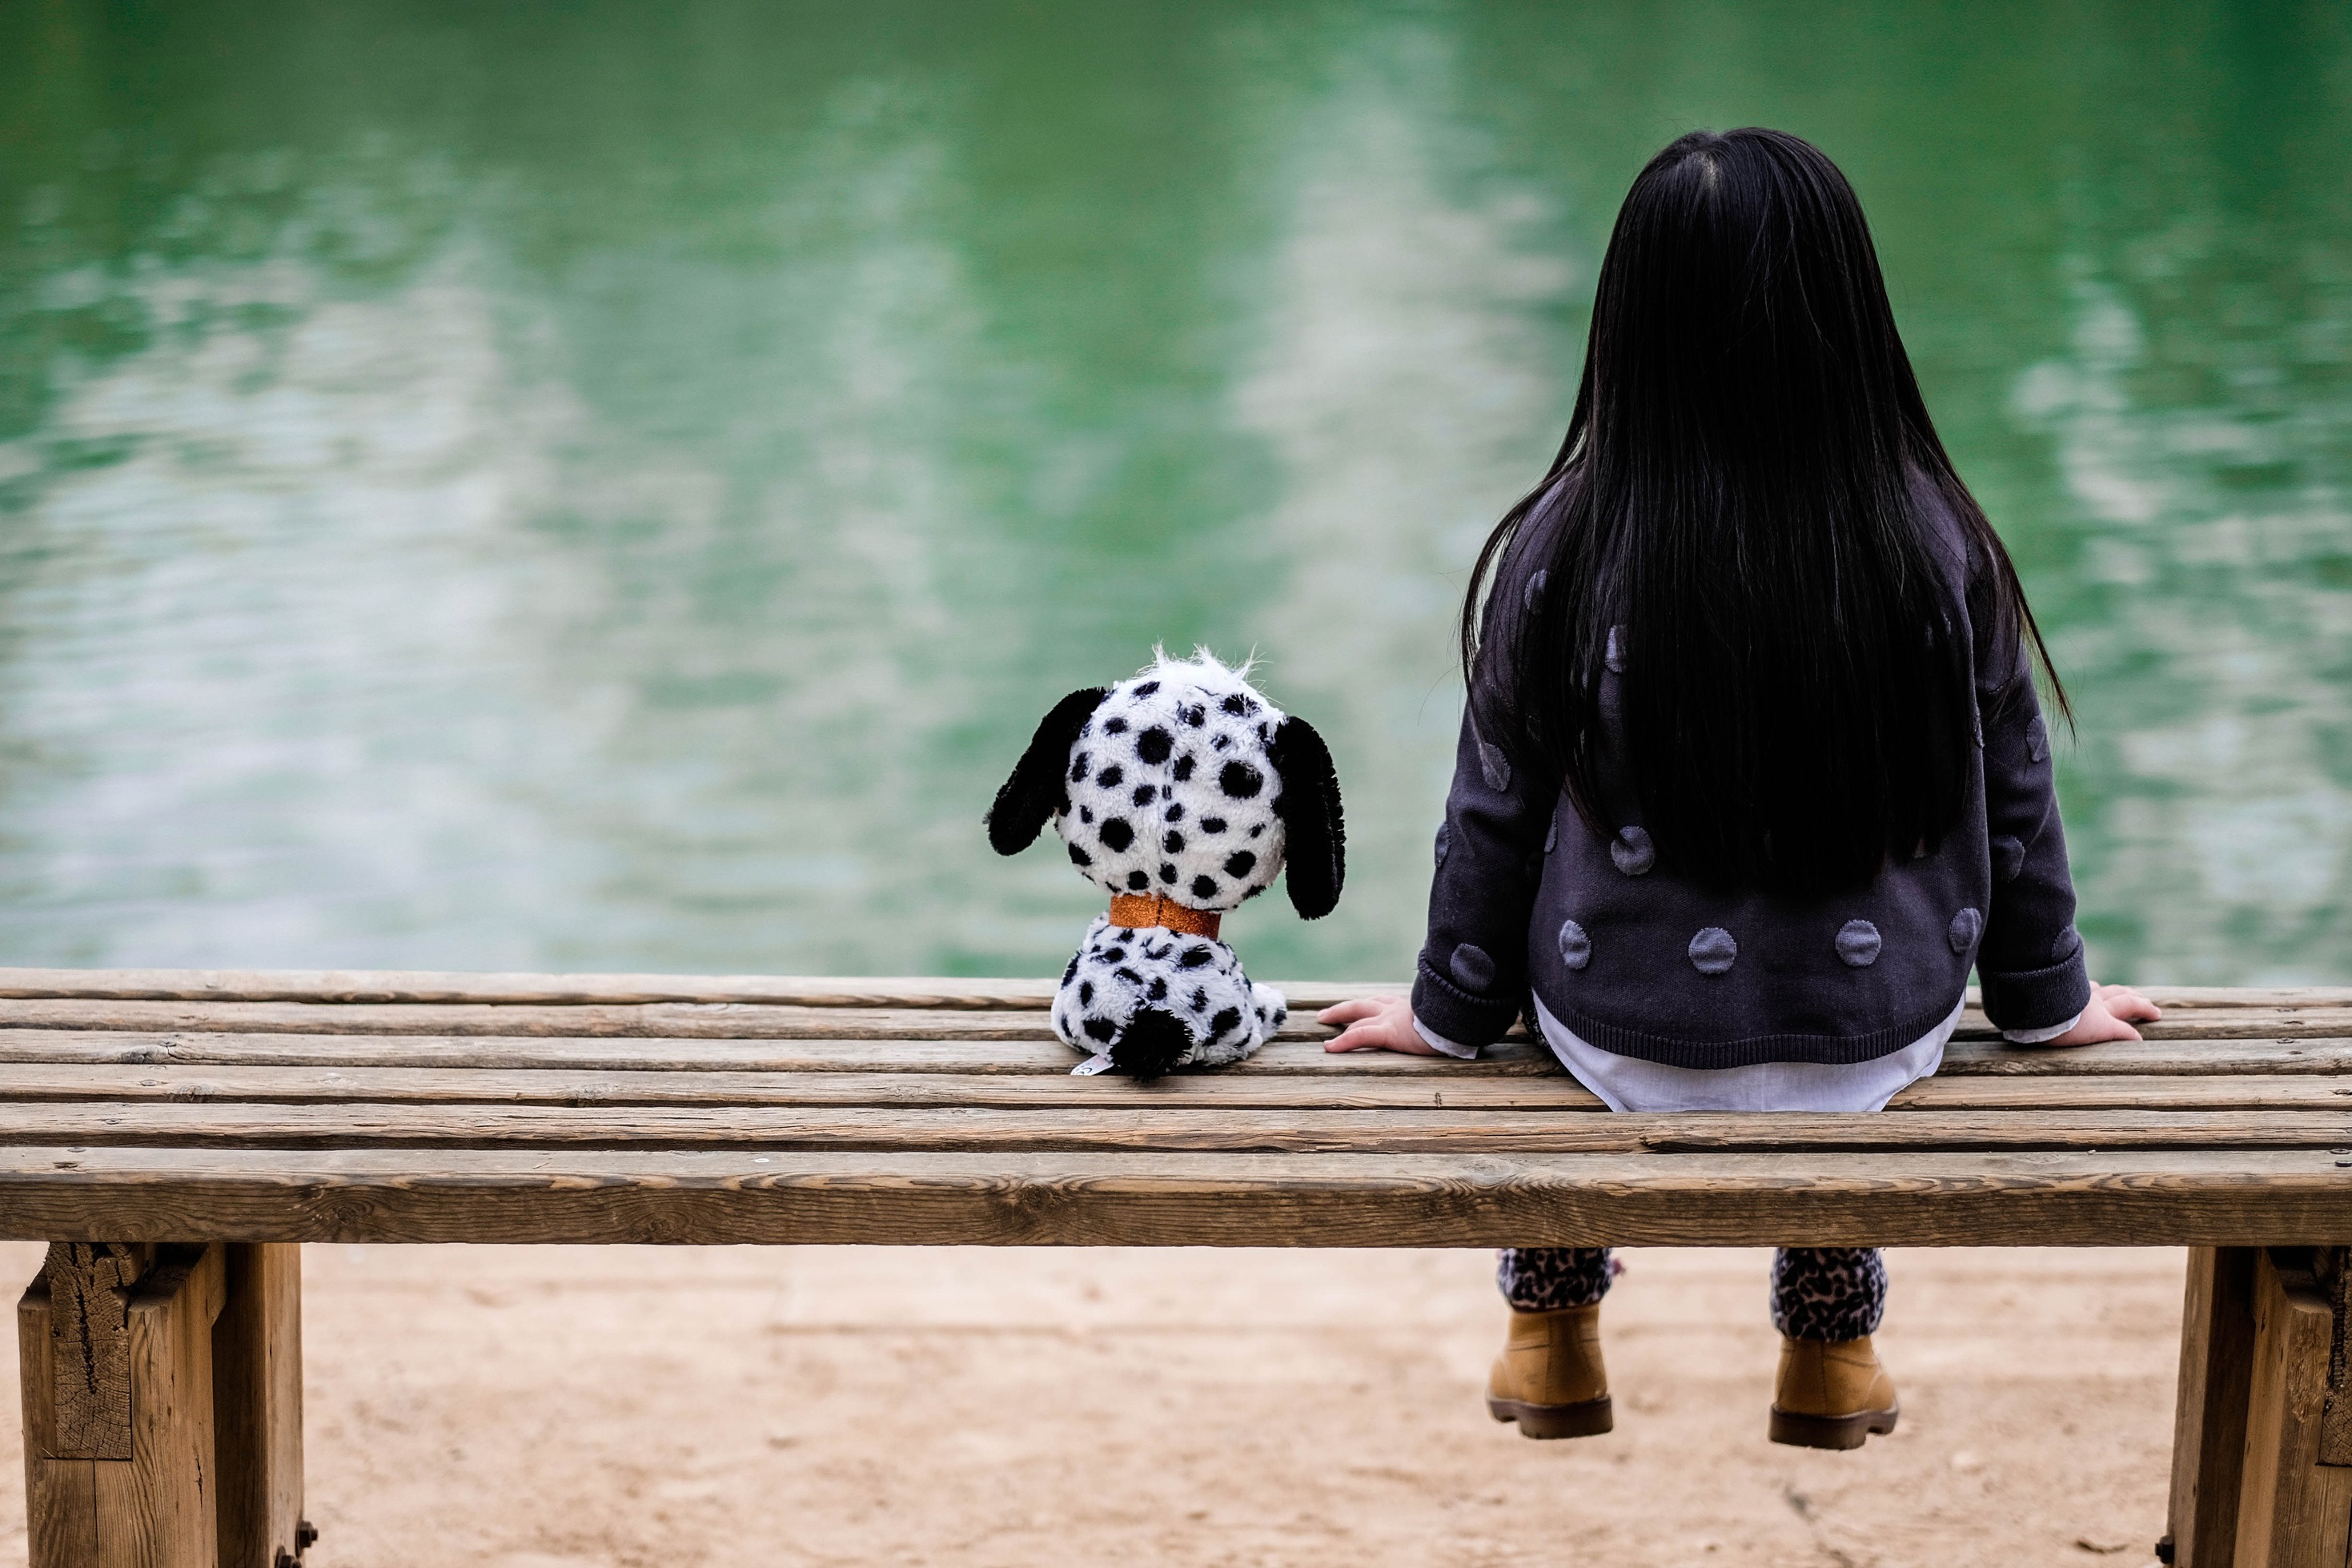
[[1155, 1039]]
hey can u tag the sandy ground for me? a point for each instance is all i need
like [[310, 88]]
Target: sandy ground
[[577, 1407]]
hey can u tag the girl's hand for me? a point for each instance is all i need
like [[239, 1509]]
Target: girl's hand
[[1377, 1023], [2105, 1018]]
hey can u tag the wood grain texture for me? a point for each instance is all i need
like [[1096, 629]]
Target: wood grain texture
[[2317, 1056], [60, 1495], [678, 1020], [427, 1127], [663, 1055], [2292, 1510], [257, 1404], [90, 1285], [430, 985], [157, 1511], [2171, 1197], [381, 986], [38, 1081], [2208, 1431], [754, 1020], [30, 1083]]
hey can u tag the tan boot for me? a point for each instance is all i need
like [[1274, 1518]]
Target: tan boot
[[1550, 1378], [1830, 1396]]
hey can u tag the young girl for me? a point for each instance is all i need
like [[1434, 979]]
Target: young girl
[[1752, 770]]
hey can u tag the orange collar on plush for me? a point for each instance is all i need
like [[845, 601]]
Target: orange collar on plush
[[1139, 914]]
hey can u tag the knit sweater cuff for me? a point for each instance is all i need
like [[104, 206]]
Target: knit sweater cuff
[[1443, 1046], [1457, 1015], [2035, 999]]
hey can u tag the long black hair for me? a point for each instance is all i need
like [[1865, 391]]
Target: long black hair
[[1739, 522]]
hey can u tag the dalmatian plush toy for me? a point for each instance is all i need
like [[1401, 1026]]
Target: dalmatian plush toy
[[1180, 793]]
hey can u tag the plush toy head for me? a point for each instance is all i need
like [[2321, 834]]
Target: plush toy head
[[1183, 782]]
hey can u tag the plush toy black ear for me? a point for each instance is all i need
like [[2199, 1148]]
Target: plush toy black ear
[[1037, 789], [1317, 854]]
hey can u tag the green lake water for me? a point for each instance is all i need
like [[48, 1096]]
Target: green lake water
[[610, 486]]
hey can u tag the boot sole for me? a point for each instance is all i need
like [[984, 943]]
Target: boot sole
[[1588, 1419], [1829, 1431]]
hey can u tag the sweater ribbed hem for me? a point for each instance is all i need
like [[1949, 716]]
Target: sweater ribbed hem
[[1707, 1055], [2035, 999], [1458, 1015]]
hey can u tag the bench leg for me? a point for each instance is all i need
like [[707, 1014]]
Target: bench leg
[[2294, 1508], [257, 1408], [116, 1347], [2209, 1432], [163, 1390]]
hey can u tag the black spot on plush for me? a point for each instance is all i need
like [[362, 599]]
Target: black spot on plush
[[1269, 784], [1155, 1040]]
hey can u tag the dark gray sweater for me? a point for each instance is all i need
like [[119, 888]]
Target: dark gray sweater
[[1527, 897]]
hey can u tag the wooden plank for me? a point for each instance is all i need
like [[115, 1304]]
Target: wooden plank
[[677, 1021], [336, 1085], [2171, 1197], [1551, 1092], [662, 1055], [2208, 1430], [257, 1406], [2217, 1092], [2292, 1510], [430, 985], [2184, 1055], [2190, 1058], [427, 987], [1125, 1125], [750, 1021]]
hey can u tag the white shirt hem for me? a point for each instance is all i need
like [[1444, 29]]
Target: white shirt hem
[[1630, 1083]]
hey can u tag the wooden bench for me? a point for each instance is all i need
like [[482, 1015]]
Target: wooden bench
[[173, 1133]]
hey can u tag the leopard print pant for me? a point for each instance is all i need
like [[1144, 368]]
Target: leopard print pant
[[1818, 1293]]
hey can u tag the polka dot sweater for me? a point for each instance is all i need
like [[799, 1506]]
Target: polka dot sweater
[[1528, 898]]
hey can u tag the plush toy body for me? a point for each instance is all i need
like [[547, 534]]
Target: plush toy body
[[1134, 995], [1180, 793]]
